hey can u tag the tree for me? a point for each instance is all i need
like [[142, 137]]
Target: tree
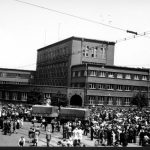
[[35, 97], [140, 100]]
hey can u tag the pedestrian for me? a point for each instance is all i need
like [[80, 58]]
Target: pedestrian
[[37, 129], [48, 137], [92, 132], [45, 124], [53, 125], [21, 122], [21, 142], [36, 138]]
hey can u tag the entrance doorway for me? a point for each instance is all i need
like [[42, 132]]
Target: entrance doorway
[[76, 100]]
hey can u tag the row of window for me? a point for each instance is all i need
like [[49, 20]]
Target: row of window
[[53, 82], [13, 95], [53, 73], [94, 51], [15, 75], [53, 70], [94, 73], [52, 66], [102, 100], [12, 82], [52, 53], [111, 87], [116, 87]]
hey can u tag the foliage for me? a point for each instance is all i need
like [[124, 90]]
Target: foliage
[[140, 100], [35, 97]]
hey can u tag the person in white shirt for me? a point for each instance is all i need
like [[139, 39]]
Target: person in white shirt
[[80, 133], [75, 134]]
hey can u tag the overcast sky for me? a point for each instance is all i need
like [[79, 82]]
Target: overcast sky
[[25, 28]]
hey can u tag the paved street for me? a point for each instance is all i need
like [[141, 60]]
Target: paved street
[[12, 140]]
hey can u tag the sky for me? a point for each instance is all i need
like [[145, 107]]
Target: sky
[[24, 28]]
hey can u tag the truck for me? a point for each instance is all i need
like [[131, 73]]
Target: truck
[[44, 111], [69, 113]]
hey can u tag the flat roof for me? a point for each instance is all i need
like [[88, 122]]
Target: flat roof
[[76, 38], [7, 69], [114, 67]]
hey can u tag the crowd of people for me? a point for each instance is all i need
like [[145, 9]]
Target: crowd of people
[[111, 127], [11, 118], [105, 127]]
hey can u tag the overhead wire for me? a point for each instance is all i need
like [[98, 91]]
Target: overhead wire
[[134, 36], [92, 21], [71, 15]]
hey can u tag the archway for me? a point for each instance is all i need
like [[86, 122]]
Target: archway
[[76, 100]]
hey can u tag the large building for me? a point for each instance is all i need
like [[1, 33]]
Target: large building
[[54, 62], [108, 85], [80, 70]]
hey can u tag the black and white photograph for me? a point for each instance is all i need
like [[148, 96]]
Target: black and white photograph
[[75, 73]]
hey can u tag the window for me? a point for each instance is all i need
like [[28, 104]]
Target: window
[[144, 78], [0, 94], [110, 87], [136, 77], [11, 75], [83, 52], [110, 101], [101, 100], [119, 76], [127, 102], [92, 86], [144, 89], [1, 74], [91, 100], [14, 96], [118, 101], [101, 86], [92, 49], [24, 96], [79, 73], [76, 73], [94, 52], [110, 75], [127, 88], [7, 95], [86, 51], [93, 73], [102, 74], [103, 52], [128, 76], [119, 87], [82, 73], [136, 88], [149, 103]]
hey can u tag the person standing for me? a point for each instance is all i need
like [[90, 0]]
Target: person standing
[[36, 138], [92, 132], [53, 125], [21, 142], [48, 138]]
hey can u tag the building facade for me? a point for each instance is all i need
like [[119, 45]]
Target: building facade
[[15, 85], [109, 85], [80, 70], [54, 62], [11, 83]]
